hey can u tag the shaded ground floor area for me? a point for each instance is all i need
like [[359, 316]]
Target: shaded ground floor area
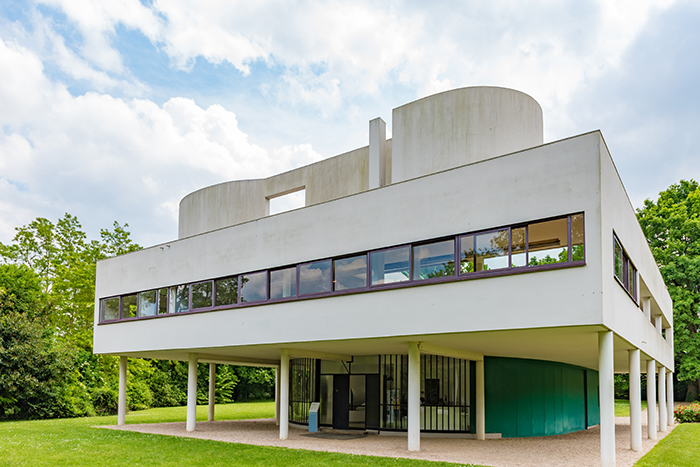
[[581, 448]]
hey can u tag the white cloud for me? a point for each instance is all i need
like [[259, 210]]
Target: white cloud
[[96, 156]]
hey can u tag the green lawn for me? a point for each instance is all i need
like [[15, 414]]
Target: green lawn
[[681, 448], [622, 407], [74, 442]]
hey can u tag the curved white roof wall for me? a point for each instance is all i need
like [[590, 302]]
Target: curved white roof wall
[[432, 134]]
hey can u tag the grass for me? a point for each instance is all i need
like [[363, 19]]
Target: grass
[[74, 442], [622, 407], [680, 448]]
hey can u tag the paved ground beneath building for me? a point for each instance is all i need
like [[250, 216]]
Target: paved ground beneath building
[[578, 449]]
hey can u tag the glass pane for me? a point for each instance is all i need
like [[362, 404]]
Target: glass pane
[[147, 303], [389, 266], [202, 295], [162, 301], [283, 283], [492, 250], [577, 237], [181, 298], [129, 306], [315, 277], [518, 247], [350, 273], [618, 259], [254, 287], [434, 260], [111, 308], [548, 242], [466, 254], [630, 276], [227, 291]]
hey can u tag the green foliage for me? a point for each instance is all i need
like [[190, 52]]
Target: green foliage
[[36, 372], [672, 227], [687, 413]]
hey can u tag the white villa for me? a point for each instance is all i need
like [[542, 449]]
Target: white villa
[[463, 278]]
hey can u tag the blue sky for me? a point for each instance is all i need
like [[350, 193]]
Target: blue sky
[[115, 109]]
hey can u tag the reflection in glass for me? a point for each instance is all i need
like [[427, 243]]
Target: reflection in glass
[[129, 306], [492, 250], [181, 298], [162, 301], [315, 277], [467, 254], [202, 294], [389, 266], [226, 291], [283, 283], [518, 247], [434, 260], [147, 303], [111, 308], [350, 273], [254, 287], [577, 237], [548, 242]]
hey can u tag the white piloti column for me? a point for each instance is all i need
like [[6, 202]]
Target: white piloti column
[[480, 401], [212, 390], [277, 396], [192, 392], [121, 401], [669, 397], [284, 394], [651, 399], [607, 398], [662, 399], [635, 400], [413, 397]]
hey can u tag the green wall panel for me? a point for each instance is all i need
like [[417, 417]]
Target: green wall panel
[[538, 398]]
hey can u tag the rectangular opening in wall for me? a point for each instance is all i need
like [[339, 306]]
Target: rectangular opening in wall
[[287, 201]]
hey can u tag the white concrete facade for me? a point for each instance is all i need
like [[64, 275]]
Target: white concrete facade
[[463, 161]]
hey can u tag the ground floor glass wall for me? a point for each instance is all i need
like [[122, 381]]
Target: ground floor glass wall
[[445, 393]]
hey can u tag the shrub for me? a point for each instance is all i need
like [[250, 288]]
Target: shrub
[[688, 413]]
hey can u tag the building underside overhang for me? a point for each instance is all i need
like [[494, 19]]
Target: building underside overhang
[[575, 345]]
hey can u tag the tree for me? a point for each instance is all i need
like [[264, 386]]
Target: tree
[[65, 260], [37, 377], [672, 227]]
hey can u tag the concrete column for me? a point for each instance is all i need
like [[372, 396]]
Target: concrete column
[[607, 398], [413, 397], [277, 396], [646, 307], [284, 394], [651, 399], [669, 335], [192, 392], [212, 390], [669, 398], [635, 400], [121, 401], [377, 153], [658, 323], [662, 399], [480, 402]]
